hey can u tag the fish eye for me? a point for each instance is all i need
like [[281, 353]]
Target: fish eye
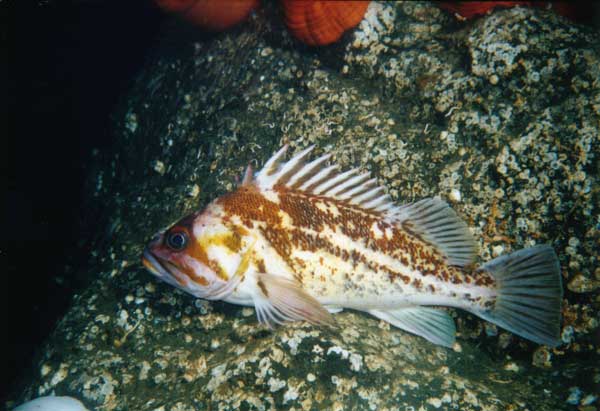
[[177, 240]]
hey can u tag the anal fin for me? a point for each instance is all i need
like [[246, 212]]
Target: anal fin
[[432, 324]]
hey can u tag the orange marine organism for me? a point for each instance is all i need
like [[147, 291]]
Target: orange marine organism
[[319, 23], [211, 15], [471, 9], [316, 23]]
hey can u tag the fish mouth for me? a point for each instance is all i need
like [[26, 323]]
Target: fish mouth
[[166, 271], [152, 264]]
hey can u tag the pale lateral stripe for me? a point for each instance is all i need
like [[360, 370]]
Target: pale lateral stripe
[[367, 185], [292, 163], [307, 169], [377, 279], [318, 177], [349, 183], [336, 180], [343, 242]]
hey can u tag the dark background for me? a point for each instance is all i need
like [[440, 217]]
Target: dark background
[[63, 67]]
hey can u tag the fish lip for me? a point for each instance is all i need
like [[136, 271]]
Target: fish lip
[[153, 264], [165, 271]]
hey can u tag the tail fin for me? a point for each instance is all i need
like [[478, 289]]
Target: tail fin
[[529, 296]]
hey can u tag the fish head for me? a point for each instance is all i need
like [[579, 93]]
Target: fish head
[[178, 257]]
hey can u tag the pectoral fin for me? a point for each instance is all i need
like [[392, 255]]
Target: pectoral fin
[[278, 299], [434, 325]]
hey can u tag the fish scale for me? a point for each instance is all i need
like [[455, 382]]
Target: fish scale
[[299, 240]]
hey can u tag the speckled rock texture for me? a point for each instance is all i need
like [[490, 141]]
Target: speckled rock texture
[[499, 116]]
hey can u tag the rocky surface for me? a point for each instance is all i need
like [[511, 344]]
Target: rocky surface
[[499, 116]]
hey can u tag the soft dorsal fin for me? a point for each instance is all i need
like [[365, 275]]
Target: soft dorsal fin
[[325, 181], [437, 223], [431, 219]]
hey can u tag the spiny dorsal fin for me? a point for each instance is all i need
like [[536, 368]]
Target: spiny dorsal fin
[[431, 219], [326, 181], [438, 224], [247, 179]]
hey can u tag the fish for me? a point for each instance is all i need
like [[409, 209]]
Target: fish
[[300, 240]]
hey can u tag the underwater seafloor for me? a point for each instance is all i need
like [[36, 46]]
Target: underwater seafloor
[[499, 116]]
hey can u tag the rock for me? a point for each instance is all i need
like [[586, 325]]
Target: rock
[[504, 111]]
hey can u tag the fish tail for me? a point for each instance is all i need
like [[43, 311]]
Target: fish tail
[[529, 294]]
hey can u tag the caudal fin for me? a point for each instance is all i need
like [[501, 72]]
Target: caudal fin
[[529, 296]]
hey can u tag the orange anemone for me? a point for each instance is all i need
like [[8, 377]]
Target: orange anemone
[[321, 22], [210, 14], [470, 9]]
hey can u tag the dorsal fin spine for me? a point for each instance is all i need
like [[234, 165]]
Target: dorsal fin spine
[[317, 178], [359, 189], [379, 202], [368, 195], [271, 165], [307, 171], [326, 185], [348, 184], [288, 167]]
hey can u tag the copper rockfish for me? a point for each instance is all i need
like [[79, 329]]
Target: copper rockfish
[[300, 240]]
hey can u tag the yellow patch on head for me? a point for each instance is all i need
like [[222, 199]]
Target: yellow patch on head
[[223, 240], [232, 241]]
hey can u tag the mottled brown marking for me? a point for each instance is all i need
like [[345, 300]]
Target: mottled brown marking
[[477, 276], [260, 264], [262, 287], [233, 242], [418, 284], [200, 280], [198, 252], [250, 205], [484, 279], [239, 230]]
